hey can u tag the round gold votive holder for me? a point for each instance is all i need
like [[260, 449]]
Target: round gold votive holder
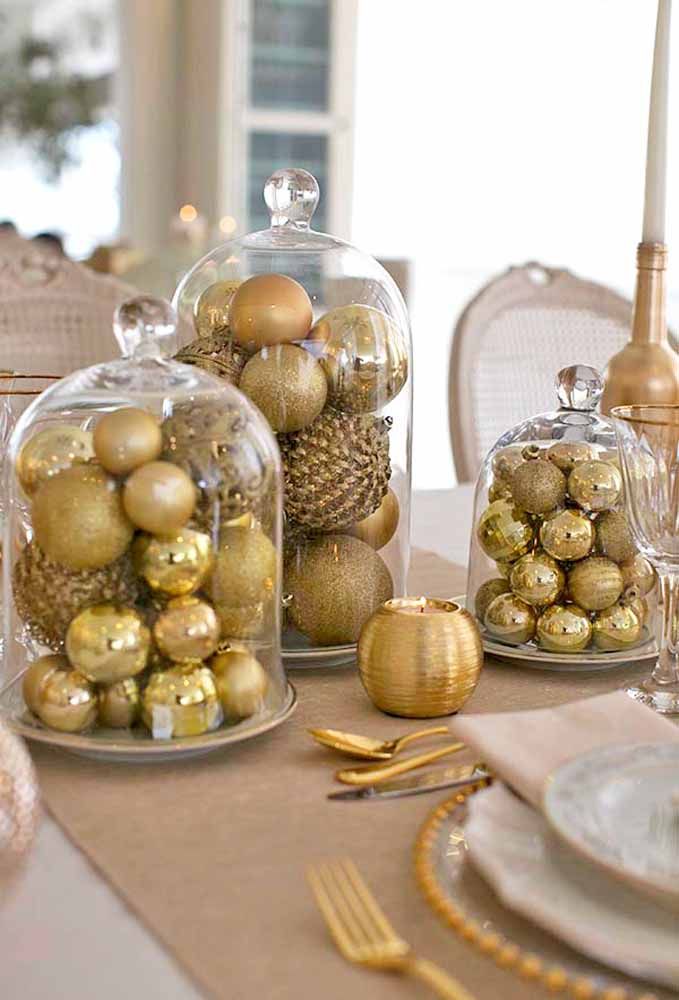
[[420, 657]]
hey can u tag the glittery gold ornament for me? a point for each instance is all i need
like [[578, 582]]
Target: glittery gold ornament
[[119, 704], [126, 439], [595, 583], [486, 593], [336, 583], [287, 384], [187, 630], [50, 451], [242, 683], [595, 485], [36, 675], [566, 454], [365, 357], [180, 702], [78, 518], [67, 702], [159, 498], [510, 619], [638, 572], [245, 568], [215, 353], [107, 643], [504, 531], [211, 311], [617, 627], [613, 536], [269, 309], [174, 564], [564, 628], [506, 461], [241, 623], [567, 535], [538, 486], [499, 490], [537, 579], [379, 527]]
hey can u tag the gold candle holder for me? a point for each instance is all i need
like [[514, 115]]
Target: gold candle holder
[[420, 657]]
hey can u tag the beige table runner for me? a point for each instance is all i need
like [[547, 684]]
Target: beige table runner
[[211, 853]]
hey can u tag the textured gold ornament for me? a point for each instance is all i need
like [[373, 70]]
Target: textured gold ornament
[[269, 309], [504, 531], [242, 683], [617, 627], [67, 702], [245, 568], [564, 628], [595, 583], [119, 704], [78, 518], [107, 643], [595, 485], [36, 675], [638, 572], [181, 702], [287, 384], [187, 630], [613, 536], [538, 486], [50, 451], [241, 623], [126, 439], [379, 527], [364, 355], [336, 583], [159, 498], [215, 353], [567, 535], [499, 490], [174, 564], [506, 461], [487, 592], [567, 454], [537, 579], [510, 619], [211, 311]]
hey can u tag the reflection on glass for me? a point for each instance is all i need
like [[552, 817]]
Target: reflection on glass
[[270, 151], [290, 56]]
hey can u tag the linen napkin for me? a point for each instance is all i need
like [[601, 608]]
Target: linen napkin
[[524, 748]]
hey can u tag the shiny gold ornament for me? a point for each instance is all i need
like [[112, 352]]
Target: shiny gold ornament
[[181, 702], [159, 498], [240, 623], [537, 579], [211, 311], [126, 439], [269, 309], [567, 454], [50, 451], [215, 353], [567, 535], [242, 683], [336, 583], [506, 461], [510, 619], [287, 384], [364, 355], [119, 704], [78, 518], [538, 486], [174, 564], [504, 568], [639, 605], [499, 490], [486, 593], [595, 485], [504, 531], [564, 628], [379, 527], [613, 536], [617, 627], [595, 583], [107, 643], [187, 630], [245, 568], [67, 702], [36, 675], [638, 572]]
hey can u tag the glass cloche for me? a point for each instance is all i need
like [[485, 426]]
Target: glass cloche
[[554, 573], [142, 556], [316, 334]]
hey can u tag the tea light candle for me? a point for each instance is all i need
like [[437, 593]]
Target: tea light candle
[[420, 606]]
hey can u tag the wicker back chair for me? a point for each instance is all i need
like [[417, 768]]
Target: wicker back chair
[[509, 343]]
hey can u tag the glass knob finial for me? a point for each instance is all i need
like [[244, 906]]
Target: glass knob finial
[[291, 195], [145, 327], [579, 387]]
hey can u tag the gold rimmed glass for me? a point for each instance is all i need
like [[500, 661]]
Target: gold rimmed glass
[[648, 441]]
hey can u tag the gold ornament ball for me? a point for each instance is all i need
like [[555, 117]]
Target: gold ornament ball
[[269, 309], [215, 353], [287, 384], [564, 628], [211, 311], [67, 701], [638, 572], [617, 627], [378, 528], [537, 579], [159, 497], [504, 531], [126, 439], [119, 704], [504, 567], [613, 536], [595, 485], [499, 490], [567, 535], [510, 619], [174, 564], [487, 593], [107, 643], [538, 486], [639, 605], [595, 583], [567, 454], [240, 623], [506, 461], [36, 675], [181, 701], [187, 630], [242, 683], [51, 451], [78, 518], [364, 355], [245, 568]]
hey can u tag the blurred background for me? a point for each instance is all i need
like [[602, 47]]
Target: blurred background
[[450, 140]]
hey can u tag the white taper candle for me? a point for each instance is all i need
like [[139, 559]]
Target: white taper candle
[[656, 154]]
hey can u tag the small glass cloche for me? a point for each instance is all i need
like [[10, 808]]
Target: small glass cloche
[[553, 567], [142, 553], [316, 334]]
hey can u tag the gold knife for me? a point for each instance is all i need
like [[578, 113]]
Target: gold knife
[[417, 784]]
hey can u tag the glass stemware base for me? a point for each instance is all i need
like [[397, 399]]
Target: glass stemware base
[[662, 698]]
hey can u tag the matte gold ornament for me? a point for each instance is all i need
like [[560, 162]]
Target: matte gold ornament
[[504, 531], [617, 627], [187, 630], [287, 384], [159, 498], [245, 568], [216, 353], [36, 675], [336, 583], [510, 619], [537, 579], [595, 583], [564, 628], [613, 536], [240, 623], [364, 356], [567, 535], [506, 461], [538, 486], [595, 485], [487, 593], [567, 454], [181, 701], [378, 528], [174, 564], [107, 643], [119, 704], [499, 490], [127, 438], [78, 518], [638, 572], [269, 309], [211, 311], [50, 451], [242, 683], [67, 702]]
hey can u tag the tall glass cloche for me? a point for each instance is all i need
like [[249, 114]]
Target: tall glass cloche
[[316, 334]]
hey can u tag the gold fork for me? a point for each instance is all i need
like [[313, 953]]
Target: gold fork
[[363, 934]]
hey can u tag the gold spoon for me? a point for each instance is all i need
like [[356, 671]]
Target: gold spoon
[[366, 748], [370, 774]]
